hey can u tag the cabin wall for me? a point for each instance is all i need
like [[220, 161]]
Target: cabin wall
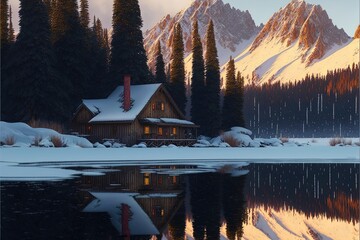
[[169, 110]]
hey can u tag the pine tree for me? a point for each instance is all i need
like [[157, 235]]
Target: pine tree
[[34, 85], [212, 79], [11, 28], [4, 24], [177, 69], [84, 14], [160, 76], [71, 48], [128, 55], [240, 85], [198, 97], [232, 114]]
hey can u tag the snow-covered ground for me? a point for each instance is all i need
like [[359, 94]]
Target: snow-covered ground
[[20, 161]]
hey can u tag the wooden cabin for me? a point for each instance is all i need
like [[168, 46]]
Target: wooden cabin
[[132, 114]]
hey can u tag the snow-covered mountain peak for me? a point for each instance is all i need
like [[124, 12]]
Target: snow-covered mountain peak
[[305, 24], [230, 37]]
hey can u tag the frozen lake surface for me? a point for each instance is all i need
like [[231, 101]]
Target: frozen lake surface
[[221, 199]]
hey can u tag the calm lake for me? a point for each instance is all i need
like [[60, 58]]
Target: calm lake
[[258, 201]]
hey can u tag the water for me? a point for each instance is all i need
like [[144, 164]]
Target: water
[[260, 201]]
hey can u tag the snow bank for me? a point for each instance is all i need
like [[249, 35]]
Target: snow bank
[[24, 135]]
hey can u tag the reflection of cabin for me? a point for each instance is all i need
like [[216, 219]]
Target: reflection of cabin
[[151, 199], [135, 113]]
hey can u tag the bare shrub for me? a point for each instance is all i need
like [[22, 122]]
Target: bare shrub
[[335, 141], [57, 141], [47, 124], [37, 141], [229, 139], [10, 140], [284, 140]]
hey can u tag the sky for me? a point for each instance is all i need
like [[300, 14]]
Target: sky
[[345, 14]]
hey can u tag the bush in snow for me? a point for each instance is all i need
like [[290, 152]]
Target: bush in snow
[[57, 141], [24, 135], [118, 145], [140, 145], [231, 140], [9, 140], [46, 143], [107, 144], [334, 141], [98, 145]]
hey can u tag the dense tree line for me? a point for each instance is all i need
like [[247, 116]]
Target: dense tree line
[[58, 59], [316, 106]]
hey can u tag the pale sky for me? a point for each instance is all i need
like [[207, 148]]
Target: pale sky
[[344, 13]]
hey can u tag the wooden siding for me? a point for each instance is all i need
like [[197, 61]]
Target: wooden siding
[[129, 133], [169, 110]]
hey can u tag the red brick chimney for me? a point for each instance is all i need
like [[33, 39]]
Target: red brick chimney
[[127, 101]]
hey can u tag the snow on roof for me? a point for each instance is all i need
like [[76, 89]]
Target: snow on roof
[[169, 121], [110, 202], [111, 110]]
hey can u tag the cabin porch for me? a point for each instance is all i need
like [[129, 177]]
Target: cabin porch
[[159, 133]]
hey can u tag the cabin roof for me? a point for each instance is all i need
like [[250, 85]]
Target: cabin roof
[[111, 108], [110, 202]]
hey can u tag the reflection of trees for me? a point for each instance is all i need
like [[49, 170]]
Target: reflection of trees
[[205, 205], [177, 224], [49, 211], [328, 190], [234, 205]]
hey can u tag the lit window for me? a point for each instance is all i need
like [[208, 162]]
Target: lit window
[[160, 131], [162, 106], [174, 131], [174, 180], [146, 130], [146, 179], [153, 106]]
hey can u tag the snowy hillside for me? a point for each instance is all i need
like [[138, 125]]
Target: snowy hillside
[[235, 30], [300, 39]]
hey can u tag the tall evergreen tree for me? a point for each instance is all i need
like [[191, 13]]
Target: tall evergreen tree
[[177, 69], [128, 55], [4, 24], [212, 79], [229, 106], [71, 48], [11, 28], [32, 81], [240, 86], [160, 76], [198, 97], [84, 13]]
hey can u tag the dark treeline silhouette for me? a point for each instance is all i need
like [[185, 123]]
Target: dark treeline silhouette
[[328, 190], [214, 194], [58, 59], [320, 106]]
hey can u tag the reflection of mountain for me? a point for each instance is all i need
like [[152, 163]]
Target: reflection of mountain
[[329, 190]]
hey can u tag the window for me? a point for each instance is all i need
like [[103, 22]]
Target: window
[[160, 131], [88, 129], [174, 180], [153, 106], [160, 106], [160, 180], [146, 179], [174, 130], [158, 211], [146, 130]]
